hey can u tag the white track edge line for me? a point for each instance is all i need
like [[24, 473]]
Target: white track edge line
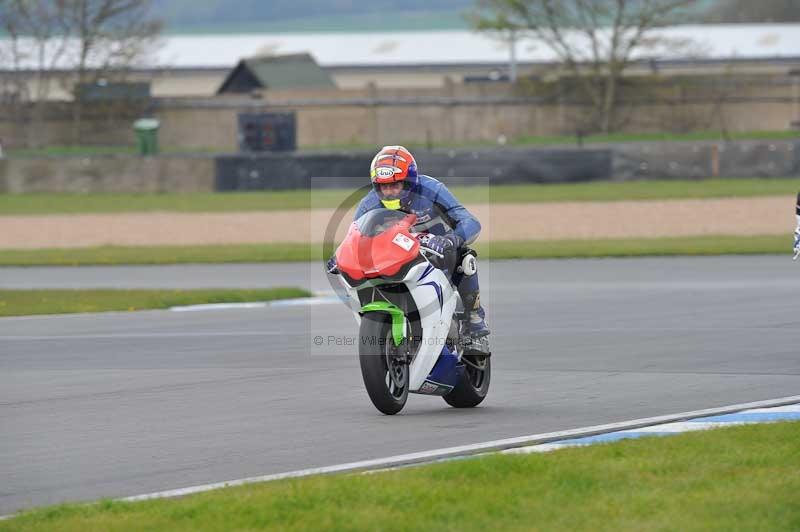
[[465, 450], [462, 450]]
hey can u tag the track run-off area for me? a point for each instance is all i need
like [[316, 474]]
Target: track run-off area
[[120, 404]]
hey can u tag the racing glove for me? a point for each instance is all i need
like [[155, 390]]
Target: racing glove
[[331, 266], [442, 244]]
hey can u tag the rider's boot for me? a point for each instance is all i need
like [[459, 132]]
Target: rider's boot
[[471, 297], [477, 341], [477, 322]]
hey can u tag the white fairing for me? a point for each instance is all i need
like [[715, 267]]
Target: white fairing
[[436, 313], [435, 318]]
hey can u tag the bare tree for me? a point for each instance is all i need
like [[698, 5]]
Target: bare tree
[[595, 40], [110, 36], [36, 41]]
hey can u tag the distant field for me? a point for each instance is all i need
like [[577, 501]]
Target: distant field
[[25, 204], [736, 478], [259, 253], [339, 23]]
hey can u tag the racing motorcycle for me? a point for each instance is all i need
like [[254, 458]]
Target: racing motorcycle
[[413, 329]]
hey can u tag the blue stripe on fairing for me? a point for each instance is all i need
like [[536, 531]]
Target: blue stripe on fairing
[[427, 271], [445, 371], [611, 436], [750, 417], [438, 292]]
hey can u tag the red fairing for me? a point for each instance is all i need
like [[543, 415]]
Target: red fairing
[[361, 256]]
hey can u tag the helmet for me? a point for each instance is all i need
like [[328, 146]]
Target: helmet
[[394, 164]]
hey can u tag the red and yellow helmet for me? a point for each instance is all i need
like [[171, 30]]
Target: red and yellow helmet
[[390, 165], [393, 163]]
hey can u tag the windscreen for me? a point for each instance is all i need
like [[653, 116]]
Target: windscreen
[[377, 221]]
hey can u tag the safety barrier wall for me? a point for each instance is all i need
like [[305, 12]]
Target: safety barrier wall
[[241, 172], [117, 173], [302, 170]]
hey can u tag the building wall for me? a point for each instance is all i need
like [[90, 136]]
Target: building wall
[[451, 114]]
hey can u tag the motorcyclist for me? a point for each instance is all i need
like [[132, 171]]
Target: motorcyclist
[[397, 185]]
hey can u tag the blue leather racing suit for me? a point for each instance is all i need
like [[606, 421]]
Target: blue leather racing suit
[[438, 211]]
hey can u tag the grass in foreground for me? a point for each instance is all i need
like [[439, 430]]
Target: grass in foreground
[[16, 204], [30, 302], [542, 249], [738, 478]]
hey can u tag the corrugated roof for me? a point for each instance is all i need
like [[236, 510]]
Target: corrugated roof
[[289, 71], [277, 72]]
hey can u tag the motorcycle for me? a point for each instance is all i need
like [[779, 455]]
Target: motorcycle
[[413, 328]]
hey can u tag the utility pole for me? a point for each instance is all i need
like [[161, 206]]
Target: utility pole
[[512, 69]]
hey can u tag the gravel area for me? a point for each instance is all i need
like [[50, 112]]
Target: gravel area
[[570, 220]]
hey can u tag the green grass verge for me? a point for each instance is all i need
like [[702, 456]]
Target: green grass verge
[[88, 151], [25, 204], [737, 478], [638, 247], [528, 140], [528, 249], [567, 140], [660, 137], [112, 255], [29, 302]]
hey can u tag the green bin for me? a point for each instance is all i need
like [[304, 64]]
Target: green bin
[[147, 135]]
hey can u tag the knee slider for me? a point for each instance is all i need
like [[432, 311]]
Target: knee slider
[[469, 265]]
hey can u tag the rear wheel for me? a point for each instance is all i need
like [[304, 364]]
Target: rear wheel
[[473, 386], [383, 367]]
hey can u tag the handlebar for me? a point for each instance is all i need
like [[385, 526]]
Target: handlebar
[[425, 250]]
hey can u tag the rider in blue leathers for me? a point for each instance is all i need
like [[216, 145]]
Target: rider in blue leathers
[[396, 185]]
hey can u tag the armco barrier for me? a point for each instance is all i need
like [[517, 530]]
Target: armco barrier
[[292, 171], [703, 160], [107, 173], [204, 173]]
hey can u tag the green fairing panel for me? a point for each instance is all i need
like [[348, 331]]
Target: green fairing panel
[[398, 318]]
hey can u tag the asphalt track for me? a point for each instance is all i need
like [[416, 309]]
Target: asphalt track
[[118, 404]]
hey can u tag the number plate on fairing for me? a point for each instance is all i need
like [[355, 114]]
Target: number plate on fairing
[[434, 388], [403, 241]]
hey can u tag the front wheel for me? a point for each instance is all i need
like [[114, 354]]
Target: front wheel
[[473, 386], [383, 367]]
